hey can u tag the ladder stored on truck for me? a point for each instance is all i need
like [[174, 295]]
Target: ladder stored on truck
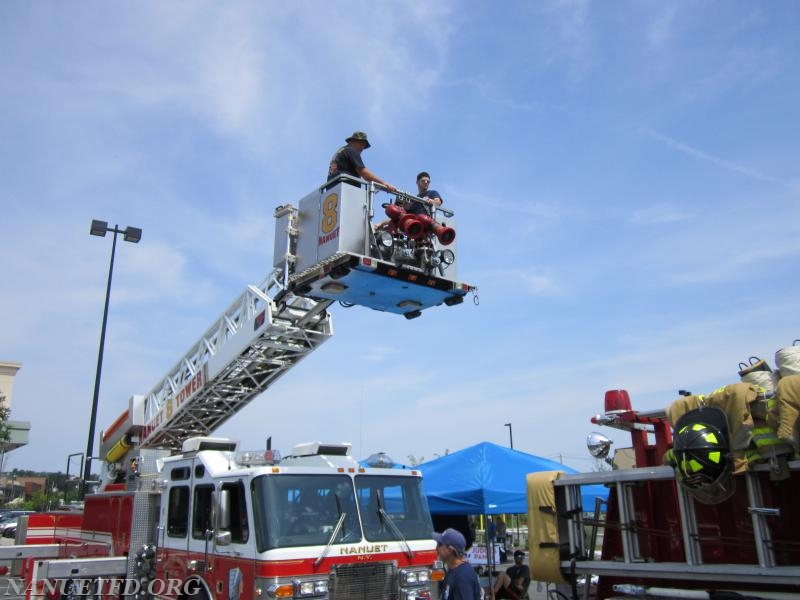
[[657, 538], [639, 492]]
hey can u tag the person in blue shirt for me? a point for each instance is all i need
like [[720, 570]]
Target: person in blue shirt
[[461, 581], [432, 197]]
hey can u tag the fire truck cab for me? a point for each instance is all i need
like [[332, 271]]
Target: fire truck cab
[[215, 523], [313, 524]]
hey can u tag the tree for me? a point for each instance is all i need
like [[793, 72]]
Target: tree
[[415, 461], [37, 502], [4, 430], [4, 412]]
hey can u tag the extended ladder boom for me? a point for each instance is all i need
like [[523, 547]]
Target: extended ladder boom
[[255, 341], [325, 251]]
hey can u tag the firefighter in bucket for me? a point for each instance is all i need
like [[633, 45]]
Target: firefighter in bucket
[[701, 455]]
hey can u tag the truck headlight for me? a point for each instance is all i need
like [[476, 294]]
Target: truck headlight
[[308, 589], [417, 577]]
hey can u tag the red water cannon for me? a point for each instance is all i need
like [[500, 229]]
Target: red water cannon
[[444, 234], [405, 222]]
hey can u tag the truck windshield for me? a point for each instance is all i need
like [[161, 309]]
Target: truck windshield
[[302, 510], [401, 500]]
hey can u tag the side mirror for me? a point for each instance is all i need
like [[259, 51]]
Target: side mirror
[[224, 512]]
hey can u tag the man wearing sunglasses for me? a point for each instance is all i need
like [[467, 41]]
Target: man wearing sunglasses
[[431, 197]]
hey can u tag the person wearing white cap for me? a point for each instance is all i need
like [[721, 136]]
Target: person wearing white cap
[[461, 581]]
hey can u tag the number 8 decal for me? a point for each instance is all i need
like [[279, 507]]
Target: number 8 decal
[[330, 218]]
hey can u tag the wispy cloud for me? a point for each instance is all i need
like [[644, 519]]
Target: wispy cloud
[[529, 209], [741, 68], [574, 36], [376, 354], [660, 29], [255, 85], [718, 161], [659, 214], [742, 244], [532, 281]]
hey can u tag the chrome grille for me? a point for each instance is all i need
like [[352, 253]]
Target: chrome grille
[[365, 581]]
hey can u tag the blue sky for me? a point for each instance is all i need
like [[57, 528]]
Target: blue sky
[[625, 177]]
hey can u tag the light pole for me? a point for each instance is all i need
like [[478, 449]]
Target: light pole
[[133, 235], [511, 444]]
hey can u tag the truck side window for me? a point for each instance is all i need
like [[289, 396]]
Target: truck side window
[[178, 511], [240, 528], [201, 511]]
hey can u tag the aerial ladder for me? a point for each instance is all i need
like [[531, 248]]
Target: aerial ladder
[[325, 251]]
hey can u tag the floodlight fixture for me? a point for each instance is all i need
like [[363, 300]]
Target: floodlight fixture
[[99, 228]]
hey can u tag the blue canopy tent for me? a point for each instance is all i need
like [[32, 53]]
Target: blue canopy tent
[[487, 479]]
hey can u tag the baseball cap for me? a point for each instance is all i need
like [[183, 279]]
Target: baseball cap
[[519, 554], [452, 537]]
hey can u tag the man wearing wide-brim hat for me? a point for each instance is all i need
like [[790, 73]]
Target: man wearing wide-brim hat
[[347, 160]]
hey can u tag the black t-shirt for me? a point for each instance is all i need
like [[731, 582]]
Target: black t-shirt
[[345, 160], [517, 571]]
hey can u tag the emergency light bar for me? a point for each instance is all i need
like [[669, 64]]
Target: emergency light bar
[[315, 448], [196, 444], [256, 458]]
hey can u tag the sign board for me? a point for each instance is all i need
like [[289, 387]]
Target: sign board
[[477, 555]]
